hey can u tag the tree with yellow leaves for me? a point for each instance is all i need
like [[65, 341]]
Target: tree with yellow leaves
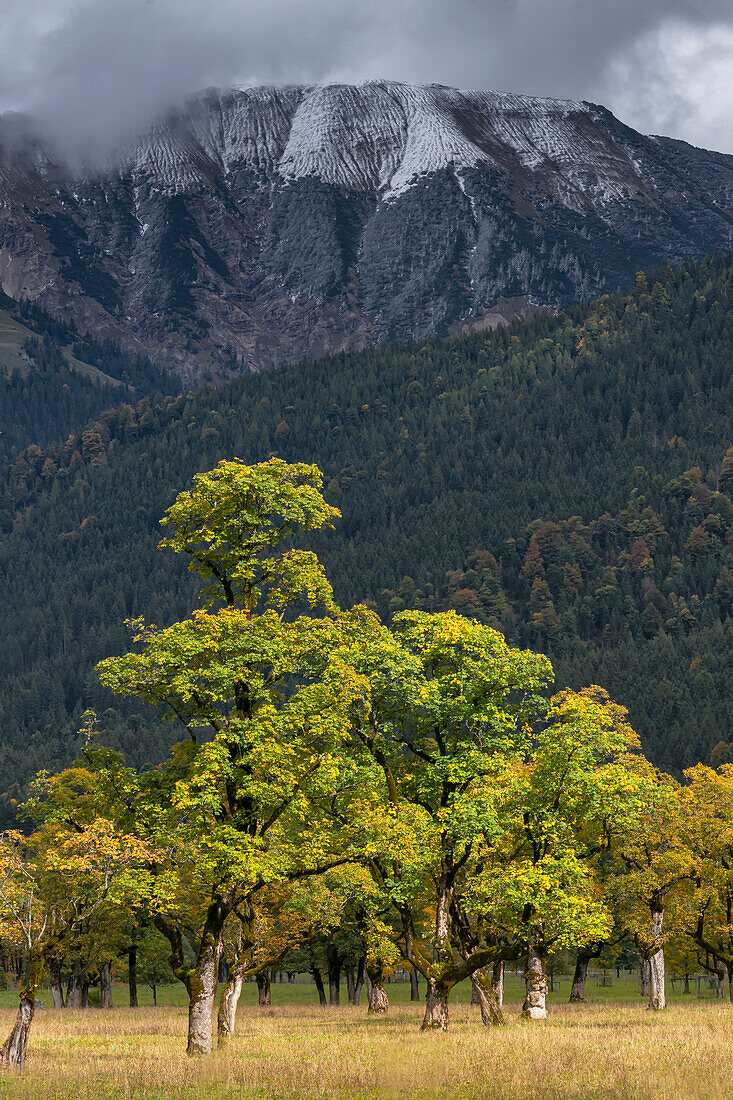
[[706, 827], [56, 879], [653, 862], [254, 678]]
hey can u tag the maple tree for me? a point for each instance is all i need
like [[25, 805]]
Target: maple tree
[[652, 862], [75, 865], [253, 678], [704, 912]]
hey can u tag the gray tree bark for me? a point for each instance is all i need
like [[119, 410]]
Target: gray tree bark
[[644, 971], [535, 1001], [482, 986], [13, 1050], [376, 993], [657, 998], [497, 982], [657, 995], [436, 1006], [202, 986], [230, 994]]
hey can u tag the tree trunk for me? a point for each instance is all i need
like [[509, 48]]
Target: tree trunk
[[230, 994], [155, 995], [686, 989], [54, 973], [377, 994], [74, 989], [263, 988], [534, 1007], [414, 985], [577, 990], [334, 975], [360, 972], [132, 975], [319, 986], [201, 981], [491, 1015], [719, 988], [105, 986], [13, 1050], [202, 984], [350, 984], [497, 983], [436, 1006], [729, 968], [657, 999], [644, 972]]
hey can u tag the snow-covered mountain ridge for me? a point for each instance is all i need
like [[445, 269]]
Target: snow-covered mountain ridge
[[257, 225], [378, 137]]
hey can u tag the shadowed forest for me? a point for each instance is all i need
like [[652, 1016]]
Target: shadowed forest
[[567, 479]]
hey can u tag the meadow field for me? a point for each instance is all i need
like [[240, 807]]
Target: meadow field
[[611, 1048]]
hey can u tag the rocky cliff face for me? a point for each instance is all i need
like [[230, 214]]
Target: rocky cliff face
[[262, 225]]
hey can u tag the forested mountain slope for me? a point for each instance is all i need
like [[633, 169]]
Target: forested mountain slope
[[261, 225], [565, 477], [53, 379]]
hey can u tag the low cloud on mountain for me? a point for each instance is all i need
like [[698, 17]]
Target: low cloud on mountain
[[94, 72]]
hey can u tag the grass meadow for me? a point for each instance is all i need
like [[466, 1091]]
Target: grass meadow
[[611, 1048]]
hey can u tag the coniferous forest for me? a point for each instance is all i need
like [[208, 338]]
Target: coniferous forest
[[53, 379], [568, 479]]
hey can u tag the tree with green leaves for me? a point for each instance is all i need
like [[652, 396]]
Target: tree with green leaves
[[72, 868], [254, 677], [493, 804], [653, 861], [449, 706], [704, 912], [576, 789]]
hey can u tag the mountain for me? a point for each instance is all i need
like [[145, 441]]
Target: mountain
[[568, 478], [263, 225], [53, 379]]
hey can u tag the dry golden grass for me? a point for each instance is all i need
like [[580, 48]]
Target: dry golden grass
[[612, 1052]]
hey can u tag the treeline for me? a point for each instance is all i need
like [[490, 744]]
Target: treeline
[[58, 392], [434, 451], [641, 599]]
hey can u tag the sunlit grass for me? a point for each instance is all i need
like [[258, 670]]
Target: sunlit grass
[[599, 1051]]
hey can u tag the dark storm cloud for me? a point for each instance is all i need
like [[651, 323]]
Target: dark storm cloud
[[96, 71]]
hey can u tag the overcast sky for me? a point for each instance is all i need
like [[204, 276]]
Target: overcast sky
[[95, 71]]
